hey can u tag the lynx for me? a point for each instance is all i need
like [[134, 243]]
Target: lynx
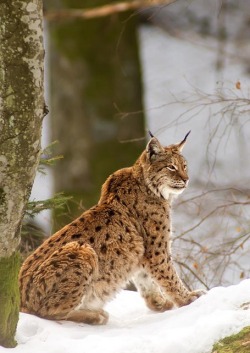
[[76, 271]]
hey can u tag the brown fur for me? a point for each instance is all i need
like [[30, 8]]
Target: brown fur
[[127, 234]]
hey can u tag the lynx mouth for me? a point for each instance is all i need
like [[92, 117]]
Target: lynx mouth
[[168, 190]]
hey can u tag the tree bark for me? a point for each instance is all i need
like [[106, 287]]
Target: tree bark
[[21, 115]]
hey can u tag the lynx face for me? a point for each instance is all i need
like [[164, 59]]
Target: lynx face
[[165, 169]]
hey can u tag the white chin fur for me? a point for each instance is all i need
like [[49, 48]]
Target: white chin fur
[[166, 191]]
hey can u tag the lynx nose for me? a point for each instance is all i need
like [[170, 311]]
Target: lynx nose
[[185, 179]]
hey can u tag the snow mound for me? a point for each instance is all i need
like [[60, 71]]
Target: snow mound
[[133, 328]]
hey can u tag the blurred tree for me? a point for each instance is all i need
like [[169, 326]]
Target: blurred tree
[[95, 77], [21, 115]]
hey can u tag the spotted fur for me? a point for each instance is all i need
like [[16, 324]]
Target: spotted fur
[[126, 235]]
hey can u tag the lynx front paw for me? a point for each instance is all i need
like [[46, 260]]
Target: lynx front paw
[[194, 295], [190, 297], [198, 293]]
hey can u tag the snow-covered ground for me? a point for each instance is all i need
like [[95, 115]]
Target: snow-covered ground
[[133, 328]]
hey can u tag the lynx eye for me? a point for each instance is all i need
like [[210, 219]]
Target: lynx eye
[[172, 167]]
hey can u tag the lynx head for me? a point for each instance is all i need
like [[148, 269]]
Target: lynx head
[[164, 168]]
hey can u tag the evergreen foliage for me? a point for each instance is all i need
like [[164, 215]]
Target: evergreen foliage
[[32, 235]]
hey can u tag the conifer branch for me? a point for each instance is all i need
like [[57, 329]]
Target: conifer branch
[[57, 201]]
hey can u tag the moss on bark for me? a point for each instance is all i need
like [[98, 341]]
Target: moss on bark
[[9, 299], [21, 112]]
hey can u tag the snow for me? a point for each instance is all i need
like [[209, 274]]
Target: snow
[[132, 328]]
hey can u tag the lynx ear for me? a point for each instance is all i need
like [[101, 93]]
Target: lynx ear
[[154, 148], [180, 145]]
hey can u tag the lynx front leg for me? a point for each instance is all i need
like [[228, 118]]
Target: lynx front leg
[[151, 292], [163, 272]]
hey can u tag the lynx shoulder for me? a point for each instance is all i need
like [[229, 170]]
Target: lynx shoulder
[[125, 236]]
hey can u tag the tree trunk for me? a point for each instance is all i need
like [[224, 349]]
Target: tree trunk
[[95, 75], [21, 115]]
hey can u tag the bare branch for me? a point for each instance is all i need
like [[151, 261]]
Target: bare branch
[[193, 273], [103, 11]]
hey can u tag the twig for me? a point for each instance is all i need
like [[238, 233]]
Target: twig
[[193, 273]]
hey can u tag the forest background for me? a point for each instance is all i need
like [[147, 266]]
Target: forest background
[[167, 68]]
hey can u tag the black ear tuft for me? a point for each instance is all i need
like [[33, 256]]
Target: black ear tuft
[[150, 133], [185, 138], [154, 148], [180, 145]]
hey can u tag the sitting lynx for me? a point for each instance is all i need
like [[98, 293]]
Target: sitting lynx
[[126, 235]]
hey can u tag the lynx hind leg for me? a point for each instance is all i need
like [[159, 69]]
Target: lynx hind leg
[[61, 282], [151, 292], [91, 317]]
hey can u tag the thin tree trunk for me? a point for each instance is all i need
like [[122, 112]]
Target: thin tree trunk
[[95, 77], [21, 115]]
